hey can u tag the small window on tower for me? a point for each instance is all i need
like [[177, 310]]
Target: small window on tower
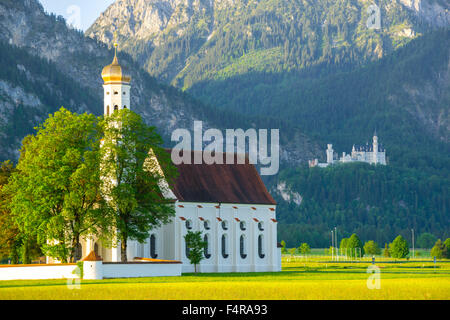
[[115, 92], [116, 107], [107, 93], [124, 93]]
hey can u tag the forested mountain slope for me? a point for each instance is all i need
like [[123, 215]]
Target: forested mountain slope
[[50, 49], [185, 42], [405, 96]]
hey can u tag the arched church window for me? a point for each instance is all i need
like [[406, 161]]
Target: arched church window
[[261, 246], [261, 226], [224, 246], [96, 248], [242, 247], [206, 225], [225, 225], [153, 253], [189, 224], [107, 110], [242, 226], [188, 250], [206, 250], [116, 107], [124, 107]]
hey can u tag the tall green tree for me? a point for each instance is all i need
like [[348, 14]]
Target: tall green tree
[[56, 187], [399, 248], [136, 174], [343, 246], [283, 247], [304, 248], [386, 252], [371, 248], [426, 240], [10, 241], [196, 246], [355, 246], [447, 248], [439, 250]]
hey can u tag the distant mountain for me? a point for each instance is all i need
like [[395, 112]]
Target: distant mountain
[[315, 65], [405, 96], [184, 42], [58, 66]]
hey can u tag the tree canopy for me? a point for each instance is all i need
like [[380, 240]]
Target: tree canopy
[[55, 194], [136, 174], [399, 248], [196, 246]]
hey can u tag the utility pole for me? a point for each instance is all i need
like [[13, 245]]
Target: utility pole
[[336, 243], [332, 245]]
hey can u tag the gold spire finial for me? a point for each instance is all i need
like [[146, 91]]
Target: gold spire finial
[[115, 61], [114, 73], [115, 39]]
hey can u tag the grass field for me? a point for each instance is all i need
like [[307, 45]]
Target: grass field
[[301, 278]]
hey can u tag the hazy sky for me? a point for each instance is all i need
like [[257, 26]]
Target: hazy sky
[[80, 13]]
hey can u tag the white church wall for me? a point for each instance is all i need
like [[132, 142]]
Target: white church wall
[[170, 243], [228, 213]]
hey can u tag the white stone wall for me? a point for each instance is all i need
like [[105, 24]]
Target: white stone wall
[[38, 272], [93, 270], [141, 270]]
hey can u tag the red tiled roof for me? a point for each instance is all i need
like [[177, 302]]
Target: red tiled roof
[[92, 257], [222, 183]]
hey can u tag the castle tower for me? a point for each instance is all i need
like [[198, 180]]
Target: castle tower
[[330, 153], [375, 148], [116, 86]]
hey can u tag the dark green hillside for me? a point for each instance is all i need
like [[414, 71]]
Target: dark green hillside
[[187, 42], [405, 96], [376, 202], [37, 78]]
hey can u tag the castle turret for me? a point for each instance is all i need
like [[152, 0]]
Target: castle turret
[[375, 148], [116, 86], [330, 153]]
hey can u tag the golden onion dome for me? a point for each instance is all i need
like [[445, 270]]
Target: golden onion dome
[[114, 73]]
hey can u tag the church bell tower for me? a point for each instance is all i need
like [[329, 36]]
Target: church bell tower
[[116, 86]]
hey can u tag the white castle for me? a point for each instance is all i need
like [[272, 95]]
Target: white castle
[[373, 154]]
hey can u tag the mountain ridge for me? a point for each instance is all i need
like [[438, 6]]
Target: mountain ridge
[[183, 42], [81, 59]]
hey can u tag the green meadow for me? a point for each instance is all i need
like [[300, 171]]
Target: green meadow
[[312, 277]]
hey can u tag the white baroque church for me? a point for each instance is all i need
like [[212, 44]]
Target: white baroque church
[[228, 203], [373, 154]]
